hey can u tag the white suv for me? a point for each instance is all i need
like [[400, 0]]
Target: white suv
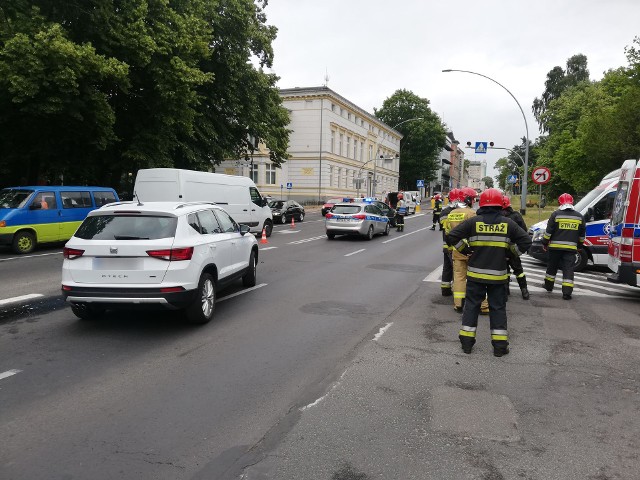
[[157, 253]]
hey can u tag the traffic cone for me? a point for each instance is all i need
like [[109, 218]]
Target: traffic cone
[[293, 224], [264, 236]]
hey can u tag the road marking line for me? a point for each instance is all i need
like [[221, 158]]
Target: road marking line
[[409, 217], [406, 234], [29, 256], [222, 299], [357, 251], [286, 232], [21, 298], [382, 331], [305, 240], [9, 373], [267, 248], [435, 275]]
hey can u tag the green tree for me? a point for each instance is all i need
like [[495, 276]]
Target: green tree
[[488, 181], [422, 139], [113, 86]]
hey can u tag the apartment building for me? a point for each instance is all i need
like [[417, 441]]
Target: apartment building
[[336, 149]]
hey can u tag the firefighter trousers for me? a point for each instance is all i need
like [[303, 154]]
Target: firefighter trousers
[[460, 263], [564, 260], [516, 267], [476, 294], [447, 273]]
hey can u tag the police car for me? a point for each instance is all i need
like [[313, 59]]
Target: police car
[[389, 212], [360, 218]]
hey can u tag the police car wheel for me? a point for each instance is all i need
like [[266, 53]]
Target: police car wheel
[[331, 236], [581, 261], [386, 230], [370, 233]]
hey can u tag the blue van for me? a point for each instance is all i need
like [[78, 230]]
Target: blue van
[[41, 214]]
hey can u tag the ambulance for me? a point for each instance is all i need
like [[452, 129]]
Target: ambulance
[[596, 207], [624, 247]]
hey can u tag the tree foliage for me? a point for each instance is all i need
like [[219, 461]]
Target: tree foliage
[[488, 181], [423, 139], [94, 89]]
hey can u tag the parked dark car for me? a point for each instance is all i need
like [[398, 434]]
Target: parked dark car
[[284, 210]]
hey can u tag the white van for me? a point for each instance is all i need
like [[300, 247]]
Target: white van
[[237, 195], [411, 198]]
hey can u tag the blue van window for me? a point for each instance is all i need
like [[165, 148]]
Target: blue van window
[[45, 201], [14, 198], [102, 198], [76, 199]]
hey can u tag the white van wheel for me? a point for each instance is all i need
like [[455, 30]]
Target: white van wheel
[[268, 227]]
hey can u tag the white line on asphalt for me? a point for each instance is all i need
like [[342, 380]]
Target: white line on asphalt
[[286, 232], [406, 234], [382, 331], [305, 240], [21, 298], [414, 216], [576, 292], [333, 387], [267, 248], [357, 251], [222, 299], [29, 256], [8, 373], [435, 275]]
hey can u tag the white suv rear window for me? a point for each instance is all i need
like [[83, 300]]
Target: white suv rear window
[[127, 227]]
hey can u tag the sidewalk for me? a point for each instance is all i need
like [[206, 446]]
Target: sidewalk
[[563, 405]]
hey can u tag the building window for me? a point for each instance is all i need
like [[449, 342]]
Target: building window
[[361, 150], [331, 175], [355, 149], [348, 146], [370, 152], [348, 116], [333, 141], [333, 107], [270, 174], [253, 173], [340, 144], [339, 176]]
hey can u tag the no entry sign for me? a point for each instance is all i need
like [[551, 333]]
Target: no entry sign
[[541, 175]]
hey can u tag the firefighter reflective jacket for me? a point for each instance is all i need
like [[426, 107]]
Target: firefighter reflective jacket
[[437, 207], [443, 219], [509, 212], [455, 218], [565, 230], [488, 237]]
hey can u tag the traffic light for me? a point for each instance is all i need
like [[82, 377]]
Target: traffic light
[[468, 144], [491, 144]]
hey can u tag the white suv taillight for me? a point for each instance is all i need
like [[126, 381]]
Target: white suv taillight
[[72, 253], [172, 254]]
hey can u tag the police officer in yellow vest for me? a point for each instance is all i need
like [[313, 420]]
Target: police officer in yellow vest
[[462, 212], [563, 237], [486, 237]]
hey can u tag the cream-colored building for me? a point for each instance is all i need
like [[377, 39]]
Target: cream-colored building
[[332, 144], [477, 171]]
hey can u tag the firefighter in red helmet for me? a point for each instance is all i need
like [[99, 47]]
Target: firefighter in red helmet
[[485, 238], [401, 211], [437, 210], [514, 260], [447, 265], [562, 239]]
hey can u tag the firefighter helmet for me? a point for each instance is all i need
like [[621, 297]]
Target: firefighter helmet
[[565, 199], [491, 197], [454, 195], [506, 201]]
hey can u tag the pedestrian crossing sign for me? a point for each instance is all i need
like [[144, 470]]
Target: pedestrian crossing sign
[[420, 183], [481, 147]]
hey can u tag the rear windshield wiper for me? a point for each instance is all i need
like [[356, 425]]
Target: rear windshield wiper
[[128, 237]]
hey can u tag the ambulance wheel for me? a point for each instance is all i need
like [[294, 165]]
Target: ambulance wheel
[[370, 233], [582, 258], [24, 242]]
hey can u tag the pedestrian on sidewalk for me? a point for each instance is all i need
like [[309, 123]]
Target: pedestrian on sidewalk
[[437, 210], [562, 239], [512, 259], [485, 238]]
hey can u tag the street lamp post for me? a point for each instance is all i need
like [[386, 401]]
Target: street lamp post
[[376, 155], [523, 206]]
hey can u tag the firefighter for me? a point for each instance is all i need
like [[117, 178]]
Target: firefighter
[[437, 210], [563, 238], [401, 211], [485, 238], [462, 212], [514, 260], [447, 265]]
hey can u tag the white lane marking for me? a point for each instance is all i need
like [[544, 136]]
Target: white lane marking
[[333, 387], [357, 251], [29, 256], [576, 292], [286, 232], [414, 216], [406, 235], [21, 298], [305, 240], [381, 332], [8, 373], [222, 299], [267, 248], [434, 276]]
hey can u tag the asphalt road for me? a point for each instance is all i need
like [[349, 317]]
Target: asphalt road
[[144, 395]]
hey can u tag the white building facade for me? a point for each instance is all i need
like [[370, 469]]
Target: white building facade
[[477, 171], [332, 144]]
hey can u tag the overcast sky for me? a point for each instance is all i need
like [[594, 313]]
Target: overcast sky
[[371, 48]]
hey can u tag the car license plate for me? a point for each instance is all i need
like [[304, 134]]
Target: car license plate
[[106, 263]]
